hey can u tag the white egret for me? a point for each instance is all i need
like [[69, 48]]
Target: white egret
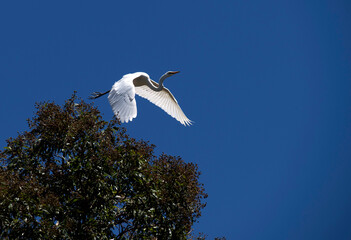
[[122, 96]]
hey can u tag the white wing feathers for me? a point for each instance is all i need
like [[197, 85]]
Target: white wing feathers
[[122, 100], [165, 100]]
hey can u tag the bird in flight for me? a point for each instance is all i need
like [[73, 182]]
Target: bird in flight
[[122, 96]]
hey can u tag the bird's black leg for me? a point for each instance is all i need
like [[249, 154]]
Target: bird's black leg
[[95, 95]]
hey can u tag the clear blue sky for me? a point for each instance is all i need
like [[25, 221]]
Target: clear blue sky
[[268, 84]]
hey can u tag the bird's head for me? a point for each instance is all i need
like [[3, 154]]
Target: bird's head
[[170, 73], [166, 75]]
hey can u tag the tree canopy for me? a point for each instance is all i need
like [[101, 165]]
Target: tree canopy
[[73, 175]]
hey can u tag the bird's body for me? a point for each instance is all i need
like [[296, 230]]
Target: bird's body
[[122, 96]]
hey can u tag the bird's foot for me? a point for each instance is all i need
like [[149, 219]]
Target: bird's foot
[[95, 95]]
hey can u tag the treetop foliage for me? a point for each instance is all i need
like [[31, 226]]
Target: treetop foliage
[[75, 176]]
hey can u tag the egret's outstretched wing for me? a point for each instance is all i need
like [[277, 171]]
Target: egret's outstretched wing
[[122, 99], [163, 99]]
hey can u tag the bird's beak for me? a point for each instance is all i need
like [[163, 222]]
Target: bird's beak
[[174, 72]]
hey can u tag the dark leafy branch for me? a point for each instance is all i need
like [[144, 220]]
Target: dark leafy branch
[[75, 176]]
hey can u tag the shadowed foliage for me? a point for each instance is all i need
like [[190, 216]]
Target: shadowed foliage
[[76, 176]]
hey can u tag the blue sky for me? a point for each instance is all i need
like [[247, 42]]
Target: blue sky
[[268, 84]]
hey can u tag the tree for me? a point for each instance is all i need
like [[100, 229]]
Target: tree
[[76, 176]]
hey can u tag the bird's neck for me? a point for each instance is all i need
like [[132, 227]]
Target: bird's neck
[[160, 83]]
